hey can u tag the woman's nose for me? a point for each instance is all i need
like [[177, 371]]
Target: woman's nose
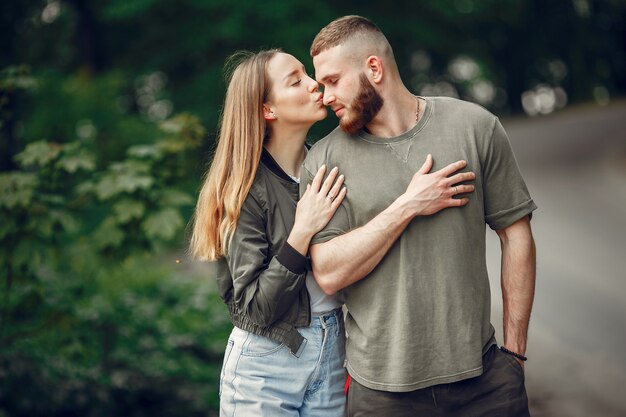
[[313, 86]]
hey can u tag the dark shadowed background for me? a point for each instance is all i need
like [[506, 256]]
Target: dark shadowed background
[[108, 116]]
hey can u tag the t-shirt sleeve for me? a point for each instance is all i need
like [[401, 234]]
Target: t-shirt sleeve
[[339, 224], [505, 195]]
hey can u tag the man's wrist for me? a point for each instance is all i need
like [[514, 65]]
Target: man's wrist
[[401, 209], [514, 341], [517, 355]]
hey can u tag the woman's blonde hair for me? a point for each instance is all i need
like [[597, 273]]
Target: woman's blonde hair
[[242, 132]]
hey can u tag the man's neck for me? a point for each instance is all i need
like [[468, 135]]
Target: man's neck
[[397, 116]]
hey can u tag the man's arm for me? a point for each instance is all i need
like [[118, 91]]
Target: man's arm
[[348, 258], [518, 282]]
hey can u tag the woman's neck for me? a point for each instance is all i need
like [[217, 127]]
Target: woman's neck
[[287, 149]]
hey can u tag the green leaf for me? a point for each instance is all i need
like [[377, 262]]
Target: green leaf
[[123, 179], [17, 189], [64, 219], [106, 187], [127, 210], [17, 78], [163, 224], [175, 145], [38, 153], [184, 124], [175, 198], [86, 187], [52, 199], [131, 166], [108, 234], [73, 163], [145, 151], [174, 125], [131, 183]]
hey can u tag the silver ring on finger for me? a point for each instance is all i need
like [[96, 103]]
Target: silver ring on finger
[[330, 197], [454, 189]]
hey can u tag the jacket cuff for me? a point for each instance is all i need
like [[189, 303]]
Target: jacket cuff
[[291, 259]]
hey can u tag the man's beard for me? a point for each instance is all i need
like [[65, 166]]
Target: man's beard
[[363, 108]]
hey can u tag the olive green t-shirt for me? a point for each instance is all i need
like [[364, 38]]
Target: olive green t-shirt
[[422, 316]]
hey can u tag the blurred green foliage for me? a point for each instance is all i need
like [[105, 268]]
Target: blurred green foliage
[[94, 320], [108, 111], [103, 63]]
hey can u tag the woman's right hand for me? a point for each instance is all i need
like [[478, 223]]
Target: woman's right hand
[[319, 203]]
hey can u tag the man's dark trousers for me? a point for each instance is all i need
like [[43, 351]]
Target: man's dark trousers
[[498, 392]]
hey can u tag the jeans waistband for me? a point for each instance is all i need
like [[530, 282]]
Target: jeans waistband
[[327, 319]]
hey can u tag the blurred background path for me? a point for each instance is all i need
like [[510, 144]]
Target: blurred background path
[[574, 163]]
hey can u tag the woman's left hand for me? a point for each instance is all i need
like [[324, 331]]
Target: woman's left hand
[[316, 207]]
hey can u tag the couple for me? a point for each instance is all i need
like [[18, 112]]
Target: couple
[[397, 234]]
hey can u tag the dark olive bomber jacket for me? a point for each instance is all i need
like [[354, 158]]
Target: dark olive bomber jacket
[[262, 279]]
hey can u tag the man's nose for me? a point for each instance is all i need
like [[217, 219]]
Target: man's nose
[[328, 98]]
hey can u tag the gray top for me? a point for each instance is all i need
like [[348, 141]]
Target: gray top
[[422, 316]]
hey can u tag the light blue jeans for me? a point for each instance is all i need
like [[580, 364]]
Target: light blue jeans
[[261, 377]]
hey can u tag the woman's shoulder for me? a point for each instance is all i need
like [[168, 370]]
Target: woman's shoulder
[[256, 198]]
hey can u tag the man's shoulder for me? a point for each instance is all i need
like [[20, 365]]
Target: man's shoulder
[[330, 139], [453, 106], [331, 142]]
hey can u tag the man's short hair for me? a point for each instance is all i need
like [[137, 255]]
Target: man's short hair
[[351, 28]]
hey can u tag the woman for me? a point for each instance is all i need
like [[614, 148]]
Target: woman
[[285, 354]]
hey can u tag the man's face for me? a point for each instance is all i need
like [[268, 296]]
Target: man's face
[[347, 90]]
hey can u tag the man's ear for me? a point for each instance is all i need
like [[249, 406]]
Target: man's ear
[[268, 113], [375, 68]]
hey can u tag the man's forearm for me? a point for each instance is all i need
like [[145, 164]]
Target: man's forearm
[[350, 257], [518, 283]]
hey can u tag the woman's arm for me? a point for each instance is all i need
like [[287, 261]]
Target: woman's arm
[[266, 284]]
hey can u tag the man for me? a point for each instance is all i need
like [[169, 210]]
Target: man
[[420, 341]]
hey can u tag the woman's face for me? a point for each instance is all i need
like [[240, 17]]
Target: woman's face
[[294, 98]]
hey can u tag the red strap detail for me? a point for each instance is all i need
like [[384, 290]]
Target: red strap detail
[[347, 386]]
